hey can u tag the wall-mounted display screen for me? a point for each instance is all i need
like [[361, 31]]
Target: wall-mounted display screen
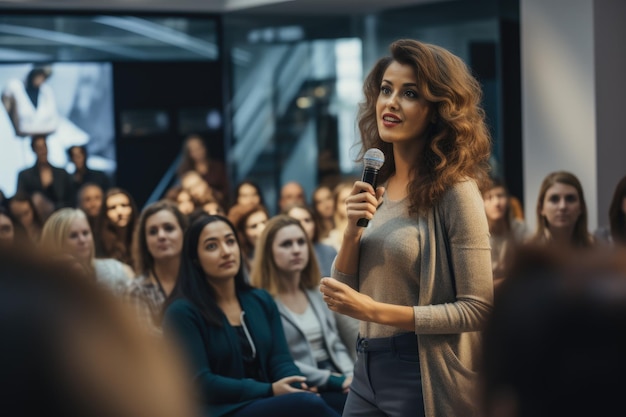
[[70, 102]]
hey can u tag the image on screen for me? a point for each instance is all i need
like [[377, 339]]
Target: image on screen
[[72, 103]]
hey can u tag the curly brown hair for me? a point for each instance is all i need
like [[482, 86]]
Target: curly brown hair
[[459, 142]]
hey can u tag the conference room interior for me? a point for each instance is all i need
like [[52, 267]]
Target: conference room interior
[[274, 87]]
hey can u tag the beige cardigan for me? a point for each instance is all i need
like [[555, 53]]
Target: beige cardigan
[[455, 298]]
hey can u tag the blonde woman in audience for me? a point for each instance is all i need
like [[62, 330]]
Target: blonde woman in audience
[[67, 232], [157, 246], [324, 209], [506, 231], [562, 213], [285, 266], [340, 218], [231, 334]]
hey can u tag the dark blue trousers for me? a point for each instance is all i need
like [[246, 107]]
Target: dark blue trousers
[[302, 404]]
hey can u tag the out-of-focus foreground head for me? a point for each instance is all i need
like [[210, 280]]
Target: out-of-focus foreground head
[[556, 339], [70, 349]]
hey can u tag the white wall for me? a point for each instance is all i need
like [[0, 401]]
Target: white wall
[[558, 96]]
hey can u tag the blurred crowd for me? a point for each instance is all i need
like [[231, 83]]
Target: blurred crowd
[[73, 245]]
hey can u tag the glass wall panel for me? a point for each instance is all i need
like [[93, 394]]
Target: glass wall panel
[[107, 38]]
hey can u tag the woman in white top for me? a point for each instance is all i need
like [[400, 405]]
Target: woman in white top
[[285, 266], [67, 232]]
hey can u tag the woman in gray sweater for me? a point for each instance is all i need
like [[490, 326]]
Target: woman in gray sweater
[[285, 266], [419, 275]]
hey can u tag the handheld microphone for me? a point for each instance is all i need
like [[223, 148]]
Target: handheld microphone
[[373, 160]]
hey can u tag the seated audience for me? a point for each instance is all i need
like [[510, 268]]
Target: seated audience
[[231, 333], [12, 233], [53, 183], [517, 211], [182, 199], [90, 198], [82, 173], [290, 193], [324, 209], [115, 226], [325, 254], [197, 187], [213, 207], [69, 349], [506, 232], [23, 209], [248, 193], [67, 233], [285, 266], [562, 213], [196, 158], [554, 344], [157, 245], [249, 222], [340, 218]]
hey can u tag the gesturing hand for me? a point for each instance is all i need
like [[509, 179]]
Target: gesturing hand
[[341, 298]]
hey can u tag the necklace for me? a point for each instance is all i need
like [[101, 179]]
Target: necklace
[[158, 281]]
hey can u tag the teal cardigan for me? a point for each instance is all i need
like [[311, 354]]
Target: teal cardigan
[[214, 352]]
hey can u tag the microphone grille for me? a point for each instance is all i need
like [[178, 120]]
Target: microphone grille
[[374, 158]]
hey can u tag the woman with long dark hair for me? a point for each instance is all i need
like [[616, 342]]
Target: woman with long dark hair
[[231, 333], [115, 226], [23, 209]]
